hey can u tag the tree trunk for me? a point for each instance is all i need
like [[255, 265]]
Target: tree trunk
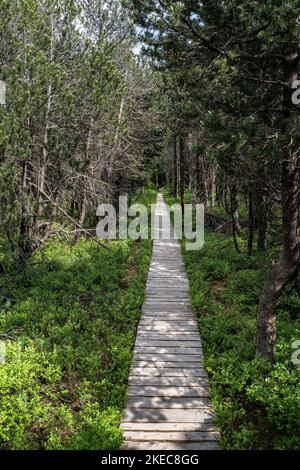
[[201, 188], [235, 205], [234, 209], [83, 201], [182, 173], [25, 246], [250, 223], [43, 162], [285, 269], [175, 167], [213, 188], [261, 224], [116, 138], [226, 199]]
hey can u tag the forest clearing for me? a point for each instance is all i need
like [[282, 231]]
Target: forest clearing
[[184, 333]]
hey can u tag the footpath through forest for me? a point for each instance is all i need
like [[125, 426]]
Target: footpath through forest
[[168, 403]]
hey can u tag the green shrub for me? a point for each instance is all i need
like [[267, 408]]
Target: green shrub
[[215, 269], [70, 325], [244, 287]]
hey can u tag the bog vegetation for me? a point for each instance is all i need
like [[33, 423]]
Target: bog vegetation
[[113, 97]]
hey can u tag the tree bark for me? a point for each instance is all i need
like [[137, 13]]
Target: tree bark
[[213, 188], [285, 269], [234, 202], [201, 185], [175, 167], [25, 246], [261, 219], [226, 199], [234, 209], [182, 173], [43, 161], [250, 223], [116, 138]]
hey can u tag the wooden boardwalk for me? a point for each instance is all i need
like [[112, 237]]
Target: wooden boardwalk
[[168, 403]]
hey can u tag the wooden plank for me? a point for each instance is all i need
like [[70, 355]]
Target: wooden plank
[[168, 328], [168, 288], [171, 336], [168, 270], [161, 364], [162, 427], [173, 339], [179, 278], [167, 322], [159, 282], [167, 305], [166, 292], [170, 403], [159, 391], [174, 314], [166, 309], [168, 299], [167, 350], [159, 340], [192, 330], [188, 329], [168, 381], [168, 316], [169, 415], [175, 343], [182, 295], [167, 372], [162, 343], [156, 445], [168, 357], [177, 436], [168, 312], [164, 446]]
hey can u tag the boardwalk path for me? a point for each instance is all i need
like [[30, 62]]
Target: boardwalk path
[[168, 403]]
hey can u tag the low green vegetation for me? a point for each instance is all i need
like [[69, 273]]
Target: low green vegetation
[[68, 324], [257, 404]]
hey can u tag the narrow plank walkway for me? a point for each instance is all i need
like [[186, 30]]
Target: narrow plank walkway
[[168, 403]]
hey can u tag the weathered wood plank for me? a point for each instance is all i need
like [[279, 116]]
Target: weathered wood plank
[[161, 364], [170, 402], [162, 427], [167, 328], [168, 415], [168, 357], [166, 310], [167, 372], [177, 436], [160, 391], [167, 350], [167, 322], [168, 381], [161, 343], [156, 445], [170, 316], [172, 336]]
